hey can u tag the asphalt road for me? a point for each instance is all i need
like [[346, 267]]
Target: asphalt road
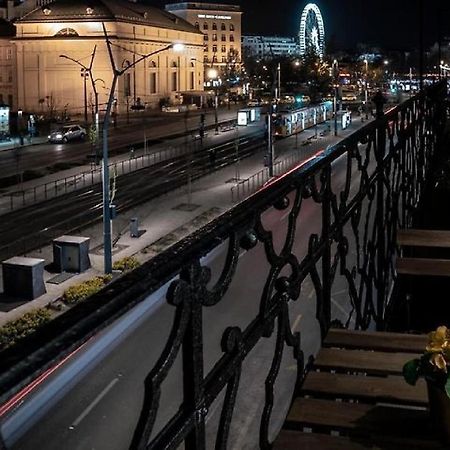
[[93, 400], [41, 156]]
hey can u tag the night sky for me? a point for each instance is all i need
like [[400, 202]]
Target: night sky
[[392, 24]]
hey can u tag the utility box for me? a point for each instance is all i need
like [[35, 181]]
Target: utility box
[[134, 227], [71, 254], [23, 277]]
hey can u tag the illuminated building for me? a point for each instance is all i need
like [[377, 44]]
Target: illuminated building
[[266, 47], [221, 26], [8, 79], [73, 28]]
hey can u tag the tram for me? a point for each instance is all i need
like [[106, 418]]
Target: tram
[[287, 122]]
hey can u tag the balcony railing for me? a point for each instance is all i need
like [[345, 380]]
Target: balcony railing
[[317, 245]]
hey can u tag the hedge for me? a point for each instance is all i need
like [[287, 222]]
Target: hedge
[[17, 329], [80, 292], [127, 263]]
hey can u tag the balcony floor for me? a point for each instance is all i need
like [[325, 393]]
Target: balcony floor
[[354, 397]]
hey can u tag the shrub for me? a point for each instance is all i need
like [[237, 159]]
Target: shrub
[[127, 263], [17, 329], [80, 292]]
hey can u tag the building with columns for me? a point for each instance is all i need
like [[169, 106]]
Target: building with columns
[[73, 28], [8, 78], [221, 27]]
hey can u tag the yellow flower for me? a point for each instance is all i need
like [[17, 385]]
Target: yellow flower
[[439, 361], [438, 340]]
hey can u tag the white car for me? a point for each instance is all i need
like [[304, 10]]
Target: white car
[[67, 133]]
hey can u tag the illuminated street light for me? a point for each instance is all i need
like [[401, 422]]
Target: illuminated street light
[[107, 207], [212, 75], [366, 93]]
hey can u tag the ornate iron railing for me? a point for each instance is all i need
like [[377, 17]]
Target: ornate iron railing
[[361, 191]]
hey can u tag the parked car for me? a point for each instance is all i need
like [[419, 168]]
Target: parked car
[[67, 133]]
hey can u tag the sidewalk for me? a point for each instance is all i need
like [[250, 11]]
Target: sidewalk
[[166, 219]]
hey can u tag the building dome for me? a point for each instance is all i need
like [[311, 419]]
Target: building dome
[[106, 11]]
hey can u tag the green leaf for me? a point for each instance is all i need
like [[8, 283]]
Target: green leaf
[[447, 387], [411, 371]]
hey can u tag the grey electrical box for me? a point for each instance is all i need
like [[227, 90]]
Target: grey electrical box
[[134, 227], [23, 277], [71, 254]]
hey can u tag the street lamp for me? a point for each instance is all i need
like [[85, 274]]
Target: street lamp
[[366, 96], [107, 208], [213, 75], [336, 93], [86, 71]]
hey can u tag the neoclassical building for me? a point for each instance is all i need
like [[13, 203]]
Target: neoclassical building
[[73, 28]]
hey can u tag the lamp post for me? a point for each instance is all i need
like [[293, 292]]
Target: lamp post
[[336, 93], [105, 172], [366, 95], [86, 72], [213, 75]]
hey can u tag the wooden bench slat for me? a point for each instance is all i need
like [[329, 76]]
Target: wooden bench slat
[[423, 266], [424, 238], [376, 340], [381, 363], [360, 417], [390, 389], [296, 440]]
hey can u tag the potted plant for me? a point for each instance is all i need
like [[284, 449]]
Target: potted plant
[[434, 367]]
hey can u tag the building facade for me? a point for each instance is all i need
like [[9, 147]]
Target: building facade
[[221, 28], [8, 78], [46, 81], [267, 47]]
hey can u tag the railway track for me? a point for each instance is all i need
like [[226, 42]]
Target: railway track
[[37, 225]]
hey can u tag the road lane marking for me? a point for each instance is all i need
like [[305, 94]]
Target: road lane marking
[[338, 306], [297, 320], [95, 402]]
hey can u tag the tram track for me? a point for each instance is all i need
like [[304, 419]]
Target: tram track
[[37, 225]]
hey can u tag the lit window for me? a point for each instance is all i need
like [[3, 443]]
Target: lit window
[[214, 37], [231, 27], [206, 48]]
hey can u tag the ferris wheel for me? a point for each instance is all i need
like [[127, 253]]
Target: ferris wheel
[[312, 30]]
